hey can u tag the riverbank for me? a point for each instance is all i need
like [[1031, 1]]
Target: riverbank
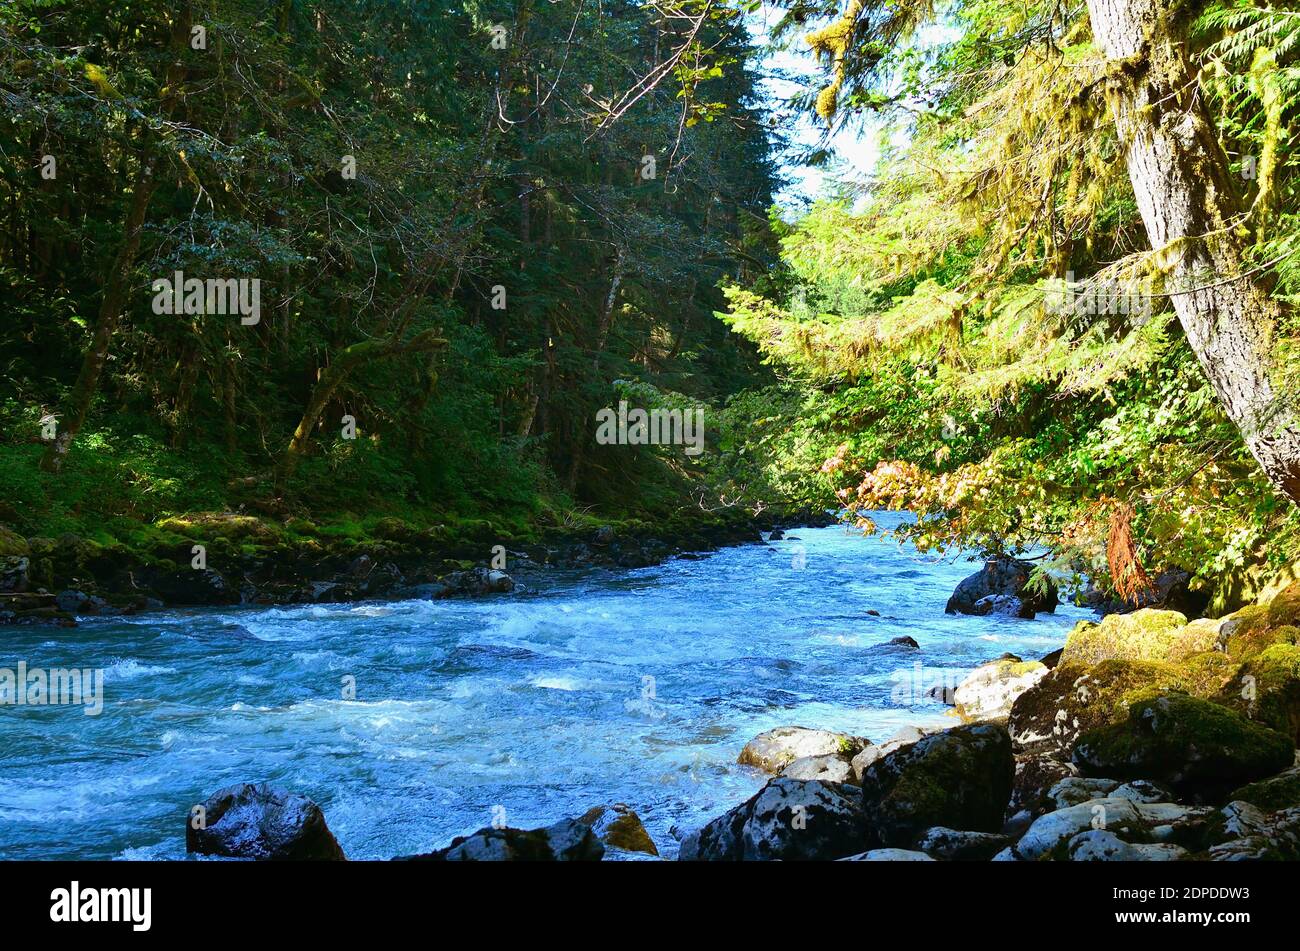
[[210, 559]]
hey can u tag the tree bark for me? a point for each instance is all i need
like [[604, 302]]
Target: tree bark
[[1193, 215]]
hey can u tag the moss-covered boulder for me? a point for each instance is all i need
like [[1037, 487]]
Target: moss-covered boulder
[[1184, 741], [1276, 792], [1248, 632], [13, 545], [1284, 609], [960, 778], [1146, 635], [1267, 689], [1073, 698]]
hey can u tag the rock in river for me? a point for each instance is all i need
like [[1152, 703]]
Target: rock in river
[[776, 749], [1008, 577], [260, 822]]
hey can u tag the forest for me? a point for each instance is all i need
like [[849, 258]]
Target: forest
[[564, 430], [473, 226]]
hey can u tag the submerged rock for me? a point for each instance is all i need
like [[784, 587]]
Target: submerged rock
[[774, 750], [260, 822], [789, 820], [1007, 577], [960, 778]]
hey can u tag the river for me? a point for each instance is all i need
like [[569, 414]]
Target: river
[[598, 686]]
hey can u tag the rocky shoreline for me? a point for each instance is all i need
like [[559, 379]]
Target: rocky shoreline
[[216, 560]]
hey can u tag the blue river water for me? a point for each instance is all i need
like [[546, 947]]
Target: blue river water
[[598, 686]]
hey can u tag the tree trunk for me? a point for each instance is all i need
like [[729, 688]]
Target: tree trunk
[[332, 378], [111, 306], [1192, 213], [117, 282]]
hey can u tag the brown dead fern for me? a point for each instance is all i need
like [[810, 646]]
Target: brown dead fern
[[1126, 571]]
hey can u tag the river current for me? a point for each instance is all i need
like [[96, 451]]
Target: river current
[[411, 722]]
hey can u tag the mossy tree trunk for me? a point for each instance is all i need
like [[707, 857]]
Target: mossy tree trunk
[[1194, 214]]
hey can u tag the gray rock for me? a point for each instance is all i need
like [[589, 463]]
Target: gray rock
[[1049, 835], [959, 846], [990, 690], [788, 819], [1097, 845], [566, 841], [831, 768], [1079, 789], [888, 855], [1144, 790], [260, 822], [774, 750]]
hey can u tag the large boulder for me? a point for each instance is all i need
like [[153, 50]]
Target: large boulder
[[1276, 792], [788, 819], [619, 827], [1007, 577], [989, 691], [774, 750], [261, 822], [1145, 635], [568, 840], [1186, 742], [960, 778], [1050, 715], [1267, 689]]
